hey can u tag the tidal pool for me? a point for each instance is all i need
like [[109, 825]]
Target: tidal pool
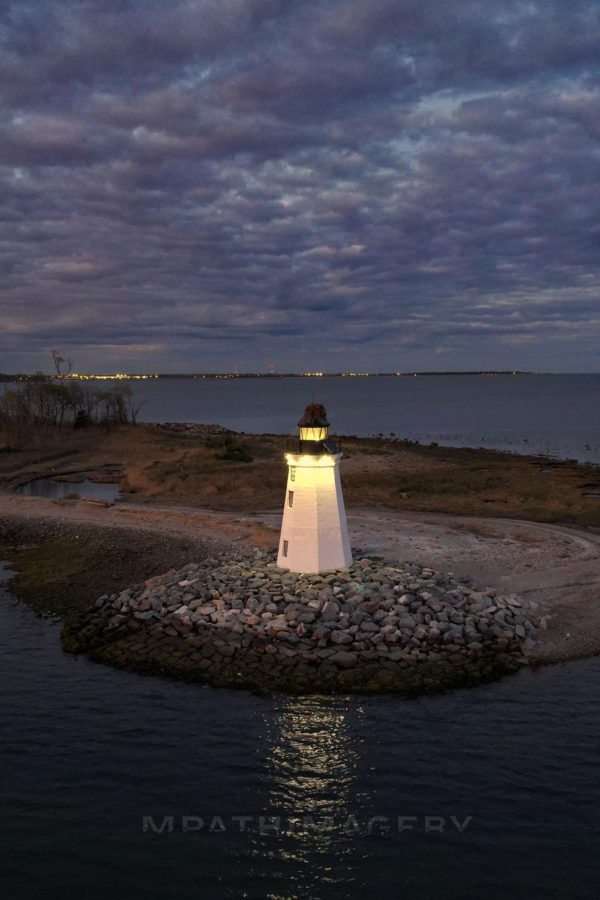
[[58, 490]]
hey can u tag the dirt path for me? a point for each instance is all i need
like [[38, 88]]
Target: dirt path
[[177, 521], [558, 567]]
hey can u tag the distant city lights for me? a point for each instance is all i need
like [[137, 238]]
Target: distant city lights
[[146, 376]]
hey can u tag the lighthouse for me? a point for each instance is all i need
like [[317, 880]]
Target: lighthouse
[[314, 533]]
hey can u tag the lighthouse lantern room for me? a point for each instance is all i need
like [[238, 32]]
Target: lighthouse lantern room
[[314, 533]]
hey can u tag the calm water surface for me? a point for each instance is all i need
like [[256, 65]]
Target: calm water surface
[[57, 490], [88, 751], [554, 414]]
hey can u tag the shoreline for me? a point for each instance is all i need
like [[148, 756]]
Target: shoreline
[[211, 468], [103, 550], [515, 527]]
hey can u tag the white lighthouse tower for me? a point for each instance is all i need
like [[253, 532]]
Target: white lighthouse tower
[[314, 533]]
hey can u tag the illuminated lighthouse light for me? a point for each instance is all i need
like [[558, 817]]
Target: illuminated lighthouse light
[[314, 534]]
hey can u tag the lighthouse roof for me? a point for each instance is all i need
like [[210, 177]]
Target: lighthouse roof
[[315, 415]]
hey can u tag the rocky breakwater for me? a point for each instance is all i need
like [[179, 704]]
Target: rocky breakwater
[[373, 627]]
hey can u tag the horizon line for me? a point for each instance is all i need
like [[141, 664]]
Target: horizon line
[[75, 376]]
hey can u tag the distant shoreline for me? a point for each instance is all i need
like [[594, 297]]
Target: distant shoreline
[[493, 410], [123, 376]]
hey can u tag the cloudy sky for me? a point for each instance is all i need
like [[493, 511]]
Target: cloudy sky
[[193, 185]]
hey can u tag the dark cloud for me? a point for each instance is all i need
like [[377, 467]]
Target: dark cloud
[[391, 184]]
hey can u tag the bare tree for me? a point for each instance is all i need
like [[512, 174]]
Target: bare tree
[[59, 362], [35, 413]]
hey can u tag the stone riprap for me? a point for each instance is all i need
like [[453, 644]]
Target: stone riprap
[[373, 627], [196, 429]]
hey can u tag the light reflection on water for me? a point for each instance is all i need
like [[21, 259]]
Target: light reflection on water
[[313, 757], [312, 764], [88, 751]]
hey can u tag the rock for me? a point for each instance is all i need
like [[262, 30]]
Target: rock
[[330, 610], [344, 658], [370, 606], [341, 637], [325, 652], [181, 611], [321, 632], [241, 623], [145, 615]]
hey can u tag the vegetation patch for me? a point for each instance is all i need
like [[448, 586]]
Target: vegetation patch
[[235, 451], [247, 473], [61, 568]]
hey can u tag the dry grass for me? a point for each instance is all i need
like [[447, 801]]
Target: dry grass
[[174, 469], [197, 474]]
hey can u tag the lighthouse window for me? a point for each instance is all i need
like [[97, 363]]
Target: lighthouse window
[[290, 498], [293, 473], [285, 548]]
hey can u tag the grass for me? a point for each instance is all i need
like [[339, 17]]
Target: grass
[[397, 476], [248, 473], [64, 572]]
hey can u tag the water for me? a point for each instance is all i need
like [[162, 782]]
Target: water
[[88, 751], [553, 414], [558, 415], [58, 490]]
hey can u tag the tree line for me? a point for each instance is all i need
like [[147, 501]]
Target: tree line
[[40, 408]]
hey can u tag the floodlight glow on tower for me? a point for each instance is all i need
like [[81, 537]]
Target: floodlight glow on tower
[[314, 533]]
